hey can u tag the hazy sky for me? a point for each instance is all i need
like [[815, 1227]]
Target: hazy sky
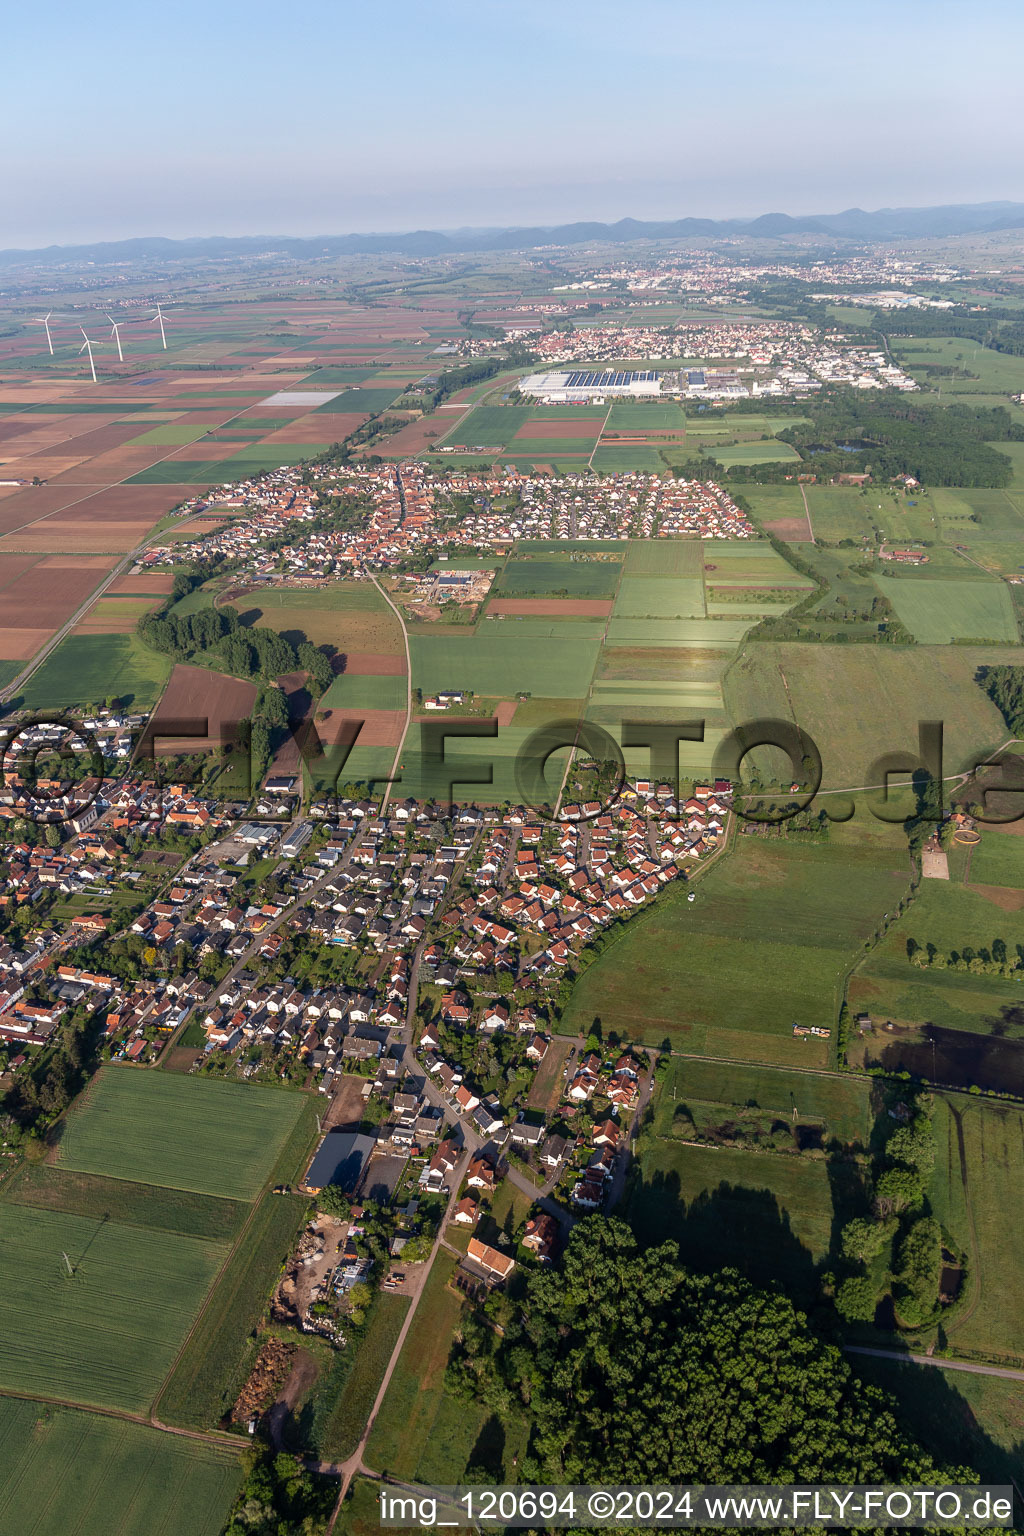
[[329, 116]]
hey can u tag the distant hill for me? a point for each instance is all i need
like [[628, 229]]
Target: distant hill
[[852, 224]]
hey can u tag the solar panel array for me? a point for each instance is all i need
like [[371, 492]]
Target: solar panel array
[[608, 380]]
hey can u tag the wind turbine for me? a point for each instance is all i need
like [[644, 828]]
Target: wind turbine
[[87, 347], [44, 320], [115, 331], [159, 318]]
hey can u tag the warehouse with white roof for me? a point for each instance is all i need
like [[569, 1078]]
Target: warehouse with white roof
[[580, 386]]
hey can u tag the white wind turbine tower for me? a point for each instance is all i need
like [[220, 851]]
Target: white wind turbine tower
[[115, 331], [44, 320], [158, 318], [87, 347]]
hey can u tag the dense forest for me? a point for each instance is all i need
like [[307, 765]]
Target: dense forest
[[1005, 687], [884, 435], [892, 435], [632, 1370]]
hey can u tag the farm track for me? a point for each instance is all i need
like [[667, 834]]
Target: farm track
[[213, 1437]]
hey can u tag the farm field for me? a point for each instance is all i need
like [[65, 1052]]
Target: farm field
[[196, 1134], [86, 668], [130, 1204], [754, 453], [661, 597], [979, 1164], [686, 972], [852, 699], [841, 1102], [768, 1216], [611, 459], [508, 656], [106, 1334], [939, 612], [545, 578], [65, 1471], [349, 615], [210, 1370], [664, 557]]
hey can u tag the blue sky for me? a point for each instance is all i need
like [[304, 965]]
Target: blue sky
[[257, 118]]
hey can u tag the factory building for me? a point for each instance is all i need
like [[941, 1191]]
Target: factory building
[[581, 387]]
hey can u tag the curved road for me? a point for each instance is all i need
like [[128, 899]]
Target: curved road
[[408, 693]]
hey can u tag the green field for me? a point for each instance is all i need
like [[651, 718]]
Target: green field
[[209, 1373], [134, 1205], [754, 453], [977, 1174], [85, 669], [106, 1334], [171, 434], [664, 557], [937, 612], [182, 472], [998, 860], [183, 1133], [491, 426], [350, 691], [613, 460], [421, 1431], [65, 1472], [508, 656], [768, 1216], [842, 1102], [660, 597], [952, 917], [345, 1426], [853, 699], [545, 578], [657, 416], [767, 942]]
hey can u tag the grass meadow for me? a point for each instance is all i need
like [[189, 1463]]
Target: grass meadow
[[939, 612], [772, 932]]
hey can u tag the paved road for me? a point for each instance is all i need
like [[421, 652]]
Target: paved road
[[408, 690], [354, 1464], [946, 1365]]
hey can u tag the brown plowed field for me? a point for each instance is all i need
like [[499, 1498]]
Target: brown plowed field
[[49, 591], [193, 693], [574, 426], [37, 501], [554, 607], [334, 425], [381, 727], [419, 435], [22, 644], [792, 529], [369, 664], [145, 581], [506, 712]]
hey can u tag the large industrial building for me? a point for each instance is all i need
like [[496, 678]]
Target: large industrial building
[[582, 386]]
